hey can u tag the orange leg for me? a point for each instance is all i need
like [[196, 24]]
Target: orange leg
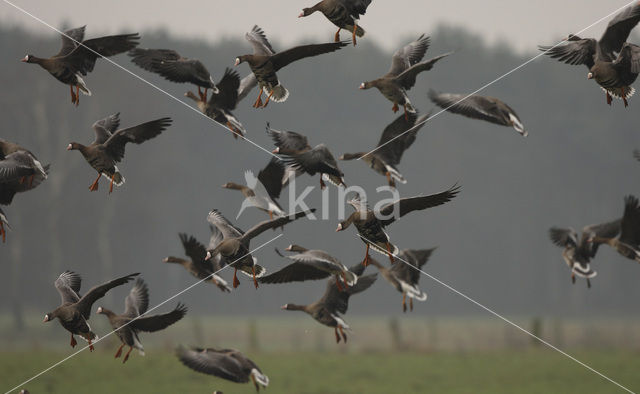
[[73, 95], [344, 336], [344, 278], [233, 130], [406, 115], [91, 348], [624, 98], [353, 37], [389, 253], [3, 233], [336, 38], [255, 281], [609, 99], [94, 185], [258, 102], [338, 285], [365, 262], [322, 184], [404, 302], [111, 184], [31, 180], [236, 282], [270, 215], [73, 341], [119, 352], [335, 329], [573, 278], [77, 95], [390, 180], [268, 99], [395, 107], [126, 356]]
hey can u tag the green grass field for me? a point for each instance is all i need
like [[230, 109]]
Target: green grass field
[[527, 371]]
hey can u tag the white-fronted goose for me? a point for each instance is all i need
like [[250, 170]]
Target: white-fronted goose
[[628, 242], [175, 68], [128, 324], [75, 61], [20, 171], [226, 364], [3, 222], [334, 302], [311, 265], [486, 108], [222, 102], [370, 224], [612, 62], [197, 265], [405, 66], [255, 195], [234, 247], [404, 276], [395, 139], [578, 253], [288, 143], [318, 160], [76, 310], [342, 13], [265, 62], [108, 147]]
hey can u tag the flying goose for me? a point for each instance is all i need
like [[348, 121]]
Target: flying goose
[[108, 147], [75, 309], [486, 108], [265, 62], [612, 62], [234, 247], [397, 137], [342, 13], [334, 302], [228, 364], [128, 324], [405, 66], [370, 224], [77, 57]]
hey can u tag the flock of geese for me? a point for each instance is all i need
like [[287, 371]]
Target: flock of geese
[[613, 63]]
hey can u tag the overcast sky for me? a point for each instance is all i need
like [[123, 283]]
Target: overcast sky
[[523, 23]]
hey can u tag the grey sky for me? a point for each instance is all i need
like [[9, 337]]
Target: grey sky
[[523, 23]]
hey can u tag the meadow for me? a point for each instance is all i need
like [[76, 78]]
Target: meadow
[[529, 371], [410, 355]]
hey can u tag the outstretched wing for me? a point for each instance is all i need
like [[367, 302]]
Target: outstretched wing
[[68, 285], [282, 59], [137, 300], [269, 224], [397, 209], [159, 322], [70, 40], [408, 55], [575, 51], [104, 128], [137, 134], [97, 292], [259, 42], [408, 77]]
